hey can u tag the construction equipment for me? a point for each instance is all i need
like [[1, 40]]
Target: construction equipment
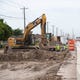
[[25, 41]]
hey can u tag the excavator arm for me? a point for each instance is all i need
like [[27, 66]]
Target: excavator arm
[[41, 20]]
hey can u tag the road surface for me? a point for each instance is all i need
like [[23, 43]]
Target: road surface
[[68, 68], [71, 71], [78, 60]]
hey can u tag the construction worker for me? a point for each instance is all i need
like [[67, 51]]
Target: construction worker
[[64, 47], [57, 47]]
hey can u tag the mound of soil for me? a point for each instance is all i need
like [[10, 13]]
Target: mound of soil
[[40, 55]]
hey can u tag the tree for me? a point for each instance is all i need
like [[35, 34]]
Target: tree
[[5, 30], [17, 32]]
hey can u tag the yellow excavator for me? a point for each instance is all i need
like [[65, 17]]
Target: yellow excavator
[[25, 41]]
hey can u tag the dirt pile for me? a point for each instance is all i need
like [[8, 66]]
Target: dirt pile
[[40, 55], [45, 55]]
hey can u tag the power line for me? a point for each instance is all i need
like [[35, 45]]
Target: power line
[[14, 3], [10, 16], [9, 3]]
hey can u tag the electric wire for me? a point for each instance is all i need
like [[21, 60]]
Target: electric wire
[[9, 4], [11, 16]]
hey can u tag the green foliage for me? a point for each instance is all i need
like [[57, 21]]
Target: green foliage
[[17, 32], [5, 31]]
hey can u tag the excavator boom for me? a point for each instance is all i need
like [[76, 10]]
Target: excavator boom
[[41, 20]]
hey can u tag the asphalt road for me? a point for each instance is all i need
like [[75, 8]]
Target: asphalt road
[[78, 60], [68, 69], [71, 71]]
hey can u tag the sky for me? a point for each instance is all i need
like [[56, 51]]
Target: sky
[[64, 15]]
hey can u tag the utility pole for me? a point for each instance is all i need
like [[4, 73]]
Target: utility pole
[[61, 32], [53, 29], [24, 16], [56, 31], [73, 36], [47, 27]]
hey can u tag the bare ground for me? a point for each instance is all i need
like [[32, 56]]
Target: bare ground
[[31, 65]]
